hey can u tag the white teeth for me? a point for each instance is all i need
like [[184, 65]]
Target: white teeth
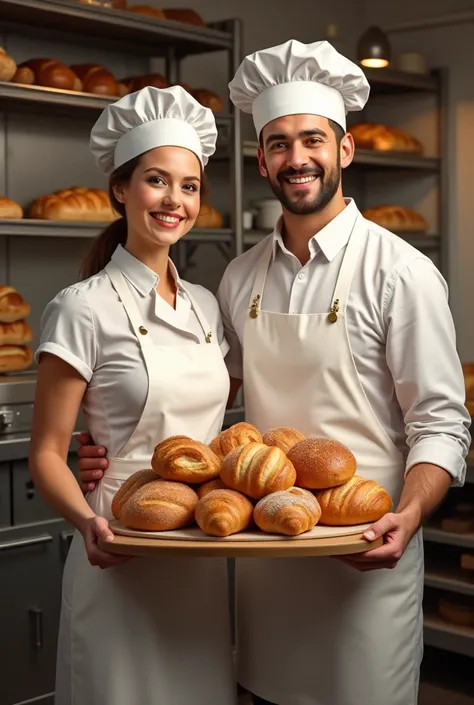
[[302, 179], [165, 218]]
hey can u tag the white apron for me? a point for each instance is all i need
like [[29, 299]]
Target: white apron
[[153, 631], [314, 631]]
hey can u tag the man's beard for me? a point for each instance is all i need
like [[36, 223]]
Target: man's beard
[[329, 183]]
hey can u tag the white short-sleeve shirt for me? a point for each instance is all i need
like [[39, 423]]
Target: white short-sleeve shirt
[[87, 326]]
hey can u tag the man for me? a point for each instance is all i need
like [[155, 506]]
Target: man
[[340, 329]]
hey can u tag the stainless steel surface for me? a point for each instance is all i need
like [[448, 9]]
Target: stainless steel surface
[[15, 418], [449, 538], [17, 389], [447, 636], [23, 543], [442, 581]]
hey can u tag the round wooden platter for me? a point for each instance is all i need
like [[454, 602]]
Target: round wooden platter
[[320, 541]]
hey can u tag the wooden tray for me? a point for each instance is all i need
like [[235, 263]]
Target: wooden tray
[[320, 541]]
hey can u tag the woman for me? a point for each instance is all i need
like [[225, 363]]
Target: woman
[[142, 352]]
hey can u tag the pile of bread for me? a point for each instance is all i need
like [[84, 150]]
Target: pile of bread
[[279, 483], [398, 219], [382, 138], [15, 332]]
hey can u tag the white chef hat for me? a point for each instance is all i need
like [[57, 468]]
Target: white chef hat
[[149, 118], [295, 78]]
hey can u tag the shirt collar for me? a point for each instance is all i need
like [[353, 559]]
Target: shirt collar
[[138, 274], [329, 240]]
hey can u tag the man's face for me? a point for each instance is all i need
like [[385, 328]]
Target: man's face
[[302, 161]]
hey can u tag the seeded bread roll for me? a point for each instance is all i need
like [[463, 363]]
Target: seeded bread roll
[[290, 513], [160, 506], [237, 435], [358, 501], [321, 463], [182, 459], [257, 470], [282, 437], [131, 485], [224, 512]]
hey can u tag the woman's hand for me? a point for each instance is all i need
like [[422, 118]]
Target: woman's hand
[[98, 528]]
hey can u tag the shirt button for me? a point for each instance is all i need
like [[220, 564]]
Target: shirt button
[[301, 275]]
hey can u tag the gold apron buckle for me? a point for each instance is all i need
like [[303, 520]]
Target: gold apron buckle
[[332, 315], [254, 307], [208, 337], [142, 330]]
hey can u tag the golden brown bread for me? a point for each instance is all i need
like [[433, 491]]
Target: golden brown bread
[[148, 11], [10, 209], [398, 219], [183, 459], [208, 99], [283, 437], [224, 512], [18, 333], [467, 562], [210, 486], [321, 463], [237, 435], [136, 83], [458, 611], [13, 306], [257, 470], [291, 512], [74, 204], [129, 487], [358, 501], [369, 135], [49, 73], [96, 79], [24, 76], [160, 505], [208, 217], [15, 358], [7, 66], [186, 15]]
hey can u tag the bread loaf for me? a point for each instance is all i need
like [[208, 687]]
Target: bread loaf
[[223, 512], [282, 437], [129, 487], [49, 73], [237, 435], [18, 333], [24, 76], [291, 512], [358, 501], [368, 135], [136, 83], [185, 15], [15, 358], [182, 459], [13, 307], [457, 611], [210, 486], [321, 463], [96, 79], [74, 204], [7, 66], [148, 11], [160, 506], [257, 470], [208, 99], [10, 209], [208, 217], [398, 219]]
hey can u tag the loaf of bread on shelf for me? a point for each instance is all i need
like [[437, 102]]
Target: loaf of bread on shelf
[[183, 459], [13, 306], [129, 487], [49, 73], [358, 501], [10, 209], [237, 435], [96, 79], [398, 219], [160, 505], [467, 563], [136, 83], [369, 135], [208, 99], [18, 333], [257, 470], [15, 358], [185, 15], [291, 512], [208, 217], [7, 66], [210, 486], [321, 463], [224, 512], [458, 610], [74, 204], [148, 11], [283, 437]]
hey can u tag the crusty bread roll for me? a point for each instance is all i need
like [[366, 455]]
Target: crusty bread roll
[[369, 135], [182, 459], [321, 463], [129, 487], [210, 486], [18, 333], [136, 83], [96, 79], [148, 11], [160, 505], [74, 204], [10, 209], [237, 435], [208, 217], [398, 219], [185, 15], [13, 306], [49, 73], [24, 75], [208, 99], [283, 437], [15, 358], [358, 501], [291, 512], [7, 66], [257, 470], [224, 512]]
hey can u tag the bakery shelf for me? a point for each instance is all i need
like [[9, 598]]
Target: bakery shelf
[[435, 535], [451, 637], [393, 82], [444, 580], [148, 36]]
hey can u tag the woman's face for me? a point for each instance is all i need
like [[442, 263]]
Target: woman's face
[[162, 199]]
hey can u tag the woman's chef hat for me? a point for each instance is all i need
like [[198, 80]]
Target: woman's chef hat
[[295, 78], [152, 117]]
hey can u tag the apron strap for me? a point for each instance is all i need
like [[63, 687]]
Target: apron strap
[[349, 263], [206, 328], [260, 278]]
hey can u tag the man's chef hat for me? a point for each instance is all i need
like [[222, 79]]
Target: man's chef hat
[[152, 117], [295, 78]]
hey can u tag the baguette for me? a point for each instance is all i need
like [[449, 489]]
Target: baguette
[[15, 358], [358, 501], [129, 487], [182, 459], [321, 463], [13, 307], [210, 486], [257, 470], [18, 333], [291, 512], [282, 437], [237, 435], [74, 204], [10, 209], [223, 512], [160, 505]]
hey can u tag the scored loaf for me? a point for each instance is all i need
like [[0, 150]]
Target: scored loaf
[[129, 487], [17, 333], [369, 135], [74, 204], [10, 209], [160, 505], [49, 73], [237, 435], [183, 459], [398, 219], [283, 437], [223, 512], [321, 463], [15, 358], [291, 512], [96, 79], [13, 306], [257, 470], [358, 501]]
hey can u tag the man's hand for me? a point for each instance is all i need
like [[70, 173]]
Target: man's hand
[[92, 463]]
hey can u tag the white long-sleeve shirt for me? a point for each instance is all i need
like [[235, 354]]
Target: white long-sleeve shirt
[[400, 329]]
